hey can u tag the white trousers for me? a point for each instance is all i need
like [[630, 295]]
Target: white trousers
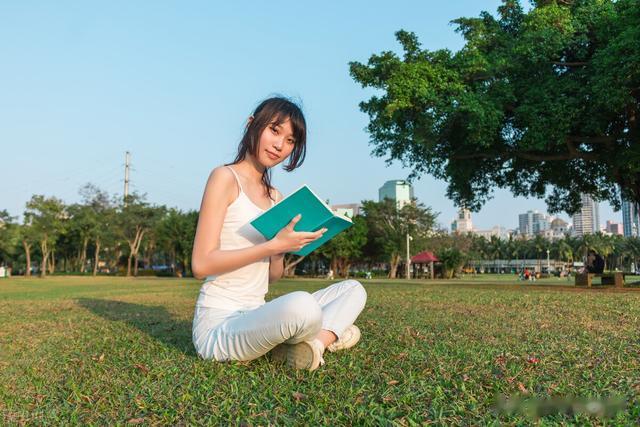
[[298, 316]]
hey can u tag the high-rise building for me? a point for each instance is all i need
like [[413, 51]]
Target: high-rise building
[[396, 189], [462, 223], [525, 223], [630, 219], [613, 227], [533, 222], [587, 219]]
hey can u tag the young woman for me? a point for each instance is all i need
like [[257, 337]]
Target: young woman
[[231, 319]]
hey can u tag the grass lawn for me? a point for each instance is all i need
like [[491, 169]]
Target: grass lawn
[[77, 350]]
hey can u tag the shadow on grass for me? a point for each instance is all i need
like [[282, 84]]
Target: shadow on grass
[[154, 321]]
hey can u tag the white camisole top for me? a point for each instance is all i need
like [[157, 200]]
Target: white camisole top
[[244, 288]]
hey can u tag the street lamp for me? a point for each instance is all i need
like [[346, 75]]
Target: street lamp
[[408, 259], [548, 267]]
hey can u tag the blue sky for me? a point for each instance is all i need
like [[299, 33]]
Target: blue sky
[[173, 83]]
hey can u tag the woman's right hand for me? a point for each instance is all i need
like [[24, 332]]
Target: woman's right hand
[[288, 240]]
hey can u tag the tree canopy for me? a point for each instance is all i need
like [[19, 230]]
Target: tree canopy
[[543, 102]]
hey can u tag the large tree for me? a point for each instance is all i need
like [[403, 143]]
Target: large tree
[[543, 102], [28, 238], [81, 226], [46, 217], [136, 217], [388, 227], [99, 219]]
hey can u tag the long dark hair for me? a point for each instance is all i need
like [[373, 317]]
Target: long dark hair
[[275, 110]]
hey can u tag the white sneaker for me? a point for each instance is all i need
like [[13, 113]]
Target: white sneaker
[[303, 355], [349, 338]]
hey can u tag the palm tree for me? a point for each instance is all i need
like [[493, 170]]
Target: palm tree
[[540, 244], [632, 249], [511, 248], [585, 243], [604, 246], [565, 251], [495, 249], [618, 251]]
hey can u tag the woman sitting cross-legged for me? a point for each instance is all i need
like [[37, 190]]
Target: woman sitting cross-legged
[[232, 321]]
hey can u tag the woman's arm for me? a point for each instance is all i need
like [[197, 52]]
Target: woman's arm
[[276, 262], [207, 259], [276, 267]]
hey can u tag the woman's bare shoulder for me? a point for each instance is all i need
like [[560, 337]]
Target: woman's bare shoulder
[[221, 181], [221, 171]]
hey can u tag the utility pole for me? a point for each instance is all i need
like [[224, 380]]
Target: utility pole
[[127, 159]]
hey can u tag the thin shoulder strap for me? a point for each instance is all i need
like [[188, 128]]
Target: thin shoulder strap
[[237, 179]]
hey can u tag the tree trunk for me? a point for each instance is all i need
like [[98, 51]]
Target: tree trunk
[[129, 264], [43, 267], [83, 258], [346, 267], [334, 266], [96, 258], [135, 265], [290, 267], [134, 248], [77, 260], [27, 254], [52, 261], [187, 270], [395, 261], [148, 253], [45, 257]]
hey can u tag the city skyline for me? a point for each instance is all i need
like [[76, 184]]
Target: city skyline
[[116, 184]]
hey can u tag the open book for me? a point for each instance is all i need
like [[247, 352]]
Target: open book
[[316, 214]]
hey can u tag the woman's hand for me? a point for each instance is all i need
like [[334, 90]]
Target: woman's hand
[[288, 240]]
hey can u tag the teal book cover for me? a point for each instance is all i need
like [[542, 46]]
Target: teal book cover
[[316, 214]]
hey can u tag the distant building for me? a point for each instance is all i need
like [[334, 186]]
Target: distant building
[[587, 219], [462, 223], [559, 228], [399, 190], [349, 209], [613, 227], [497, 231], [630, 219], [533, 222]]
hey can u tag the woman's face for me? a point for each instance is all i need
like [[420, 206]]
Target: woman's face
[[276, 143]]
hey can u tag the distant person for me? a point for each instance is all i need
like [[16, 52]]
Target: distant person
[[232, 321], [595, 263]]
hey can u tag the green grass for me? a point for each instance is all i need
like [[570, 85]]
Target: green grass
[[77, 350]]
